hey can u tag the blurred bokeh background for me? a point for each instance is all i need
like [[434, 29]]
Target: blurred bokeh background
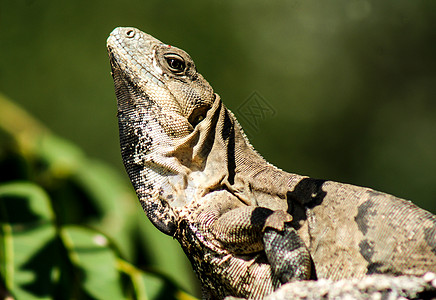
[[351, 85]]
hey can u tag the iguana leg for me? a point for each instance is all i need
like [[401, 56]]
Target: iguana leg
[[249, 229], [240, 230], [287, 254]]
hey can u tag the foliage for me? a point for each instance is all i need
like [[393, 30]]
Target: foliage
[[67, 223]]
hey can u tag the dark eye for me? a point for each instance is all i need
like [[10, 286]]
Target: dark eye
[[175, 63], [198, 115]]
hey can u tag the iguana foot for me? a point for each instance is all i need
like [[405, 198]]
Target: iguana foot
[[286, 252]]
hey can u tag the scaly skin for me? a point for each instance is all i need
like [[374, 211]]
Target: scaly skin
[[246, 226]]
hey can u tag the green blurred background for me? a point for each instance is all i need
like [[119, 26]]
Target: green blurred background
[[352, 83]]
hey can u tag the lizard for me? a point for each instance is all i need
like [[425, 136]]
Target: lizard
[[246, 226]]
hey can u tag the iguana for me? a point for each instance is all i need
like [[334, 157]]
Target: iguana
[[246, 226]]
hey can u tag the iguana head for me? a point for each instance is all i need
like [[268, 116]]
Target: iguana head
[[163, 105], [148, 73]]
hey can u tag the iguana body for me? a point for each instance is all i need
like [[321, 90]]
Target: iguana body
[[246, 226]]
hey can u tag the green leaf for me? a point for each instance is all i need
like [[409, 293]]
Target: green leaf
[[96, 262], [152, 286], [27, 248], [115, 203]]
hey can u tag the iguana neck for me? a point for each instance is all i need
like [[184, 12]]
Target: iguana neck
[[230, 162]]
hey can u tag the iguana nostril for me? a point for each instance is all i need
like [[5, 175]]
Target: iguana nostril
[[130, 33]]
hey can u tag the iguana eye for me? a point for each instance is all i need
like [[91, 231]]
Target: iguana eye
[[198, 115], [176, 63]]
